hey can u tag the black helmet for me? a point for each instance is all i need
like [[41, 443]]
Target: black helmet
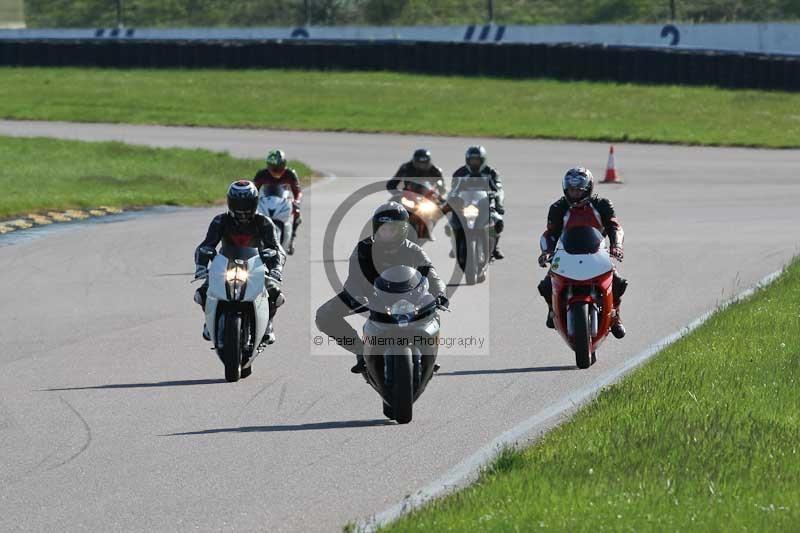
[[395, 217], [242, 200], [421, 159], [475, 153], [578, 184]]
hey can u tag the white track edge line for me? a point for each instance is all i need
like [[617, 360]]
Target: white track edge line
[[524, 432]]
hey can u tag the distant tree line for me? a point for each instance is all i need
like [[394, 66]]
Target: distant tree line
[[179, 13]]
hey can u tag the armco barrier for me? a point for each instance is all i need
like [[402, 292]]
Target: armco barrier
[[515, 60]]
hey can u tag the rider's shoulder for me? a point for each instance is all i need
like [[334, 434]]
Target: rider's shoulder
[[417, 251], [262, 220], [461, 172], [364, 246], [436, 172], [561, 204], [292, 174], [602, 203]]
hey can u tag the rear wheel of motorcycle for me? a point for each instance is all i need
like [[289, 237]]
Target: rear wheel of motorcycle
[[232, 350], [582, 338], [402, 386]]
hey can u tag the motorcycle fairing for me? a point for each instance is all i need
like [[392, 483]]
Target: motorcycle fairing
[[254, 293]]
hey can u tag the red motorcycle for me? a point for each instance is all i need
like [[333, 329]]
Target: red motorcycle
[[581, 271], [422, 203]]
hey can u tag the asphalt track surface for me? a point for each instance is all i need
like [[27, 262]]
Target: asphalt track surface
[[113, 413]]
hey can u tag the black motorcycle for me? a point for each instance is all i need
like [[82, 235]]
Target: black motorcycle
[[401, 340]]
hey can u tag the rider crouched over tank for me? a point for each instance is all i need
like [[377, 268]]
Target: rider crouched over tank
[[387, 247], [241, 226]]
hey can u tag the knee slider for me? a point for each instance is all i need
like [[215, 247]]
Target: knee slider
[[498, 226], [619, 286], [546, 288]]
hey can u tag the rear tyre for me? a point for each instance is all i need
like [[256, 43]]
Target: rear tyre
[[582, 339], [402, 386], [232, 350]]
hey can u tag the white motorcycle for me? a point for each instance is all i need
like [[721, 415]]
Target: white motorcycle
[[237, 307], [277, 203]]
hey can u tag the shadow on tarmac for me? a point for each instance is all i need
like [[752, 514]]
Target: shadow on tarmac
[[143, 385], [291, 427], [508, 370]]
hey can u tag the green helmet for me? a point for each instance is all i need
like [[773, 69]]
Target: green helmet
[[276, 160]]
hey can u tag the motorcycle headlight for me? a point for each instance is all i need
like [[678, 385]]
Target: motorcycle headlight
[[236, 274], [471, 212], [408, 202], [402, 307], [426, 207]]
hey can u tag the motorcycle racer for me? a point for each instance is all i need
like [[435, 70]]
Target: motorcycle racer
[[276, 171], [579, 207], [241, 226], [388, 246]]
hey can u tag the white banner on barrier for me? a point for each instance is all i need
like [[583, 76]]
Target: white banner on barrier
[[773, 38]]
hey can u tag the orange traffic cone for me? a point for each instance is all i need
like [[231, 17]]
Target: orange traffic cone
[[611, 170]]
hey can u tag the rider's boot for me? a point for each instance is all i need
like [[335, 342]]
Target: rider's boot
[[617, 329], [497, 254], [206, 334], [550, 323], [360, 367], [269, 335]]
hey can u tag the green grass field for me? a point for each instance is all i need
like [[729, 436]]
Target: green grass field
[[40, 174], [378, 102], [706, 437], [147, 13]]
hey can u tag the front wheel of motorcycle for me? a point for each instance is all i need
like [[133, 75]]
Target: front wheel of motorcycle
[[232, 350], [402, 386], [471, 272], [582, 340]]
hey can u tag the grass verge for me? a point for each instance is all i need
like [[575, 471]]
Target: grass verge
[[704, 437], [405, 103], [40, 174]]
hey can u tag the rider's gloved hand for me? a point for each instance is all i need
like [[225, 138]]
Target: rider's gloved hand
[[442, 301], [200, 272], [544, 258], [616, 252], [275, 275], [500, 209]]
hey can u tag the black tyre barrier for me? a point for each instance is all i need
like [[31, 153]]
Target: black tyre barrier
[[556, 61]]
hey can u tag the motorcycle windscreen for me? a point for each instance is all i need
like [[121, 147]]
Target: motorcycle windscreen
[[473, 183], [581, 240], [399, 294], [275, 189], [580, 255], [243, 253]]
